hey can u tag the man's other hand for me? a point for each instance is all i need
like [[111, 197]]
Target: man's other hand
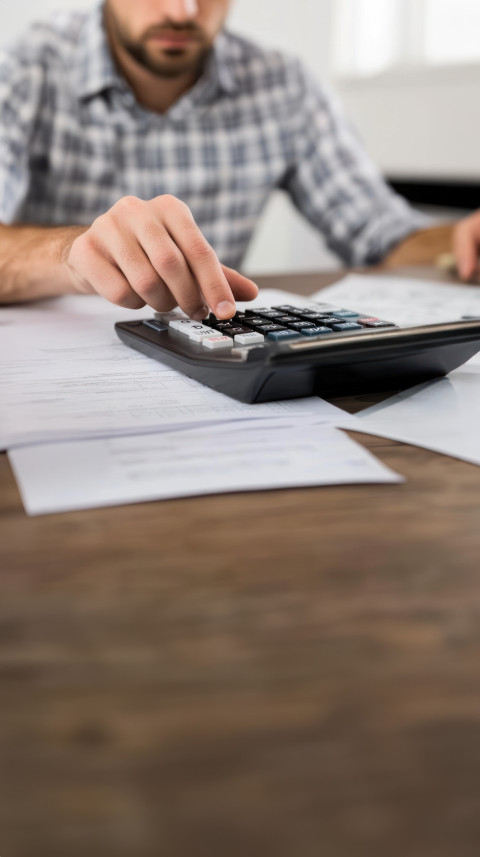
[[153, 253], [466, 245]]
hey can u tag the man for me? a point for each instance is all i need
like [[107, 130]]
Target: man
[[139, 143]]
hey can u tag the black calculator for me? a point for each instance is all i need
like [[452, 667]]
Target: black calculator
[[286, 352]]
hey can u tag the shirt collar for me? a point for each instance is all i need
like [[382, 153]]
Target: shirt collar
[[95, 68]]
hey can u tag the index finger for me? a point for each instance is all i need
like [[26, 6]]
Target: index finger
[[202, 261]]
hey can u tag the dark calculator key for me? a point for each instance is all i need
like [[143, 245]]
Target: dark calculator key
[[307, 316], [300, 325], [269, 328], [285, 308], [258, 310], [329, 320], [233, 329], [347, 325], [155, 325], [284, 319], [316, 331], [213, 321], [271, 315], [252, 320], [369, 323], [296, 311]]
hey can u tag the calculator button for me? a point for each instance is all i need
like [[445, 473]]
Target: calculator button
[[233, 329], [300, 325], [270, 328], [199, 332], [250, 337], [155, 325], [377, 323], [252, 320], [270, 314], [347, 313], [367, 320], [309, 315], [214, 342], [329, 320], [348, 325], [281, 335], [286, 308], [316, 331], [183, 325]]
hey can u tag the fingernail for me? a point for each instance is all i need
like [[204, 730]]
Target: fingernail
[[225, 309]]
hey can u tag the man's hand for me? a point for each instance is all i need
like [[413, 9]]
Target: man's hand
[[153, 253], [466, 245]]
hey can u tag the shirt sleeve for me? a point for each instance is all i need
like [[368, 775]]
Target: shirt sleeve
[[335, 185], [21, 85]]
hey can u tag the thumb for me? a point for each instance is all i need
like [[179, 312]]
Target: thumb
[[466, 241]]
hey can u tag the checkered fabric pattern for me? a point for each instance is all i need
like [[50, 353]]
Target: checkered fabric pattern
[[73, 141]]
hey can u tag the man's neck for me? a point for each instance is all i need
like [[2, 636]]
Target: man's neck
[[151, 91]]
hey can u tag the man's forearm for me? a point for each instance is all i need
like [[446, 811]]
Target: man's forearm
[[33, 261], [422, 248]]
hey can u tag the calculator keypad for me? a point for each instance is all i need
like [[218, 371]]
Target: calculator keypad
[[273, 324]]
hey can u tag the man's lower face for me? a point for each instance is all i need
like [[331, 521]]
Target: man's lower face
[[171, 55]]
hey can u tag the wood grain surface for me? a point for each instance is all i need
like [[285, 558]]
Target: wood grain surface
[[289, 673]]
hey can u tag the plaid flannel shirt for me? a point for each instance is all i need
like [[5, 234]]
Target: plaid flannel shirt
[[73, 140]]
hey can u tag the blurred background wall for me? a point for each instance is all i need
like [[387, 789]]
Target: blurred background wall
[[408, 72]]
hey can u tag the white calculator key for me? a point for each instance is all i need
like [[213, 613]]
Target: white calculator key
[[200, 331], [217, 342], [249, 338], [173, 315], [183, 325]]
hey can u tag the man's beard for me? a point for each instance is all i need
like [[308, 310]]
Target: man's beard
[[161, 67]]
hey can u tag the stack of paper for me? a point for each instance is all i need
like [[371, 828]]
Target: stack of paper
[[88, 421]]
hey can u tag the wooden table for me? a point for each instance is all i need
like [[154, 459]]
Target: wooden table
[[285, 673]]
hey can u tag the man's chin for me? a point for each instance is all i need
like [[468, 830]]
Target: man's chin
[[174, 62]]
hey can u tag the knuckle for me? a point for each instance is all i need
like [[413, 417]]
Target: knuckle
[[127, 204], [145, 285], [200, 248], [167, 260], [169, 201], [165, 302], [88, 241], [123, 296]]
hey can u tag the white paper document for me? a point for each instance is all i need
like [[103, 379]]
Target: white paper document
[[254, 456], [403, 300], [442, 415], [64, 374]]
